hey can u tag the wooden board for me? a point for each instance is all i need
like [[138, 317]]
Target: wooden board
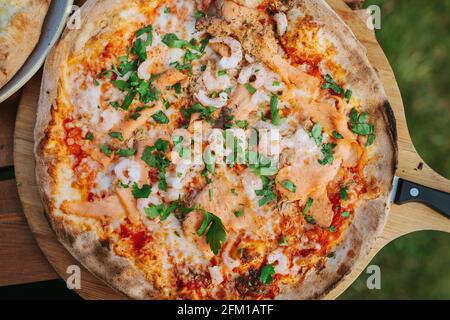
[[403, 219]]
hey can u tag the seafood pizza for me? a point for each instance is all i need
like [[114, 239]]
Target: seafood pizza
[[214, 149]]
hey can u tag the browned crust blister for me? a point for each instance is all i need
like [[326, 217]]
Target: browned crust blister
[[370, 217], [20, 37]]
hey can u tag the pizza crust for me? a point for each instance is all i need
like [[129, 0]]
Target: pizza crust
[[370, 217], [19, 38]]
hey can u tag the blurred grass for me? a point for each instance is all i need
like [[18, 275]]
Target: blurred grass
[[415, 36]]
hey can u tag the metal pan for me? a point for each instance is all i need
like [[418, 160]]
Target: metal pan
[[52, 28]]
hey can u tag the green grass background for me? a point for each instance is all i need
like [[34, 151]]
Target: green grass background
[[415, 36]]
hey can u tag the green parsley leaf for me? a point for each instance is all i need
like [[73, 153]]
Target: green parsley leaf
[[308, 205], [141, 193], [275, 113], [316, 133], [160, 117], [250, 88], [359, 126], [116, 135], [345, 214], [243, 124], [166, 10], [288, 185], [327, 151], [330, 84], [215, 231], [348, 95], [172, 41], [337, 135], [221, 73], [239, 213], [370, 139], [199, 14], [126, 152], [128, 100], [89, 136], [266, 274], [344, 193], [106, 150]]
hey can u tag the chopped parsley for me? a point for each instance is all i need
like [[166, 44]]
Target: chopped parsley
[[116, 135], [344, 193], [267, 193], [129, 152], [172, 41], [337, 135], [274, 112], [239, 213], [359, 125], [330, 84], [106, 150], [141, 193], [288, 185], [161, 210], [250, 88], [243, 124], [89, 136], [199, 14], [345, 214], [221, 73], [266, 274], [316, 133], [348, 95], [215, 231], [154, 157], [160, 117], [327, 151], [308, 206]]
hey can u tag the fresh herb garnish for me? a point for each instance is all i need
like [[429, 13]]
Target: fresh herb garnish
[[344, 193], [337, 135], [330, 84], [316, 133], [243, 124], [266, 274], [345, 214], [106, 150], [89, 136], [308, 206], [172, 41], [267, 193], [116, 135], [160, 117], [359, 126], [123, 153], [215, 231], [348, 95], [275, 113], [250, 88], [327, 151], [141, 193], [288, 185]]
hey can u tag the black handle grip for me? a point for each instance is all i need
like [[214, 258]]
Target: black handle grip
[[411, 192]]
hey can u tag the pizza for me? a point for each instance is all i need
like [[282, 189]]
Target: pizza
[[20, 28], [214, 150]]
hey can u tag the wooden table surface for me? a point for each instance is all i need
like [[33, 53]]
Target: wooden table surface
[[21, 260]]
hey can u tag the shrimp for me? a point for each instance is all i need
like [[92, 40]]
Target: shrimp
[[128, 171], [215, 83], [255, 69], [218, 102], [236, 55]]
